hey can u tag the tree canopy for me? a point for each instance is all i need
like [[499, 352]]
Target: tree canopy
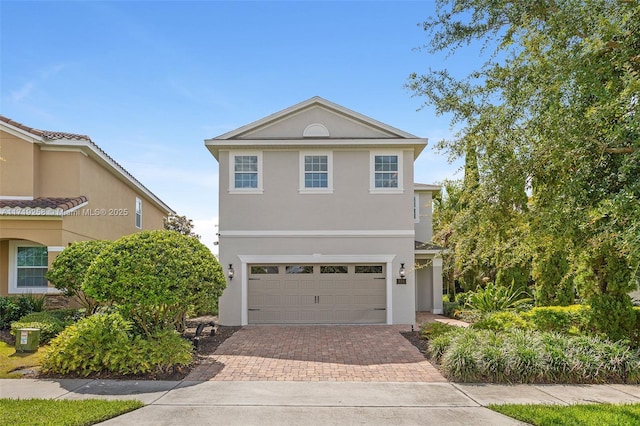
[[181, 224], [552, 120]]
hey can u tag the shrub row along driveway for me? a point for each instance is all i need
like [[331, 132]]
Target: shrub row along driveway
[[376, 353]]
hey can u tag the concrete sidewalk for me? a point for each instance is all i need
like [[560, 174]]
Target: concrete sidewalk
[[315, 403]]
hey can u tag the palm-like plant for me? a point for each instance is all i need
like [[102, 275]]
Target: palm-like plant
[[495, 298]]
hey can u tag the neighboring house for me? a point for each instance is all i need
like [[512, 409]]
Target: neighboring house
[[57, 188], [318, 214]]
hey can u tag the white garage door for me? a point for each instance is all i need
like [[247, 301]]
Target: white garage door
[[317, 294]]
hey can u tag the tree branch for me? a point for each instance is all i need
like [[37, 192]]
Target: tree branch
[[622, 150]]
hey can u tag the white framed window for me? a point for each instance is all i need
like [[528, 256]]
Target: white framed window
[[316, 172], [138, 213], [28, 264], [386, 172], [245, 172], [416, 208]]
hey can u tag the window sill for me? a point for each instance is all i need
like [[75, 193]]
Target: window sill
[[35, 290], [246, 191], [386, 191], [316, 191]]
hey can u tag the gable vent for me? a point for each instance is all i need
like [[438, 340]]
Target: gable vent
[[316, 130]]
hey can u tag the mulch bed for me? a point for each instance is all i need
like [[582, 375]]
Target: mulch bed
[[417, 340], [207, 345]]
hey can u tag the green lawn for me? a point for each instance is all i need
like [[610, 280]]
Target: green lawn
[[62, 412], [10, 360], [580, 414]]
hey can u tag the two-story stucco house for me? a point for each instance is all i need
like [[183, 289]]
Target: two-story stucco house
[[321, 222], [57, 188]]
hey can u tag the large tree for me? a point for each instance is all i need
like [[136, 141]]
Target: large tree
[[554, 111]]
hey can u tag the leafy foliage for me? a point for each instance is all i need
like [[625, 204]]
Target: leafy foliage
[[550, 131], [50, 326], [12, 308], [69, 269], [106, 343], [179, 224], [154, 277], [613, 315], [572, 319], [495, 298], [501, 321]]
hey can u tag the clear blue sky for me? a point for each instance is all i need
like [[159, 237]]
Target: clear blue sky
[[148, 81]]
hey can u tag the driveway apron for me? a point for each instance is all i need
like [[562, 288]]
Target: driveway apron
[[376, 353]]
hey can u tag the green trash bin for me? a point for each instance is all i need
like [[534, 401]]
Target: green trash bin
[[27, 339]]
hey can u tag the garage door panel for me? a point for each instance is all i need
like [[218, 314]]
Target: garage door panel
[[315, 297]]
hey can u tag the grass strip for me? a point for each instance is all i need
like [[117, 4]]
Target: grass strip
[[578, 414], [10, 360], [62, 411]]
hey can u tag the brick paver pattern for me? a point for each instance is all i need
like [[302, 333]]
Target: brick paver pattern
[[377, 353]]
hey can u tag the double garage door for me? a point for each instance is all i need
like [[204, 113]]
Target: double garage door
[[317, 294]]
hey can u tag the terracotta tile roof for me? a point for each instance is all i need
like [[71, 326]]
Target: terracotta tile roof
[[45, 134], [44, 203]]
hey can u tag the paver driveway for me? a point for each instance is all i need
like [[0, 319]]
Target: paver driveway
[[377, 353]]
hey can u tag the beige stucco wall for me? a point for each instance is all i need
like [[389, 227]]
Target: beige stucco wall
[[4, 267], [386, 221], [424, 286], [350, 206], [110, 212], [424, 228], [17, 171]]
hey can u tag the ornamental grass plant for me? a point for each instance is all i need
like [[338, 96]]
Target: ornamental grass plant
[[530, 356]]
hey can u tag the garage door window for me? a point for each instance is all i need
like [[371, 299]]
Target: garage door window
[[368, 269], [299, 269], [334, 269], [264, 269]]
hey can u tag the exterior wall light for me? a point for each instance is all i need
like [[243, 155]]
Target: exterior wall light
[[230, 272], [402, 273]]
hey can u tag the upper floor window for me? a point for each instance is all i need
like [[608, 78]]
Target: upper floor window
[[138, 213], [386, 172], [246, 172], [315, 172], [416, 208]]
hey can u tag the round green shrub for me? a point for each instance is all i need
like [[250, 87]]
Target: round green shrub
[[155, 277], [50, 326], [68, 271], [104, 343], [501, 321], [562, 319]]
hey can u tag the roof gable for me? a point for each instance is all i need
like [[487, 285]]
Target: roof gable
[[315, 123], [292, 122]]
